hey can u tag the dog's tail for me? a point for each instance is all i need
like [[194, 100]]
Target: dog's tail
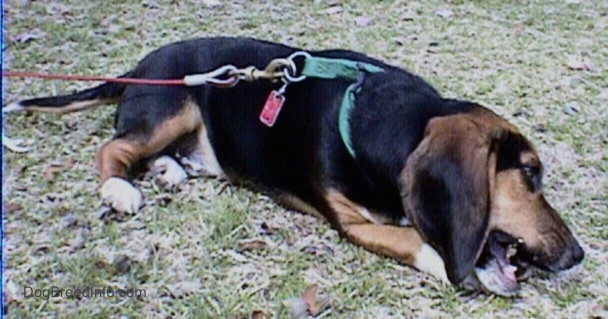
[[106, 93]]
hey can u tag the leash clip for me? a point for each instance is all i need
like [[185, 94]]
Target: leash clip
[[213, 78], [291, 77]]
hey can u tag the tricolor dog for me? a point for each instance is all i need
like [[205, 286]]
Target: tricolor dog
[[444, 185]]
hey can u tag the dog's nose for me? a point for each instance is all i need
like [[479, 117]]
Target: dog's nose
[[578, 254], [572, 257]]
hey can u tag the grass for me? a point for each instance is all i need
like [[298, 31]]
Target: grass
[[189, 248]]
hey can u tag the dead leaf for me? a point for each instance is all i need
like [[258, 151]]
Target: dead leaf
[[28, 36], [310, 296], [252, 244], [49, 173], [363, 21], [571, 109], [310, 303], [579, 64], [67, 164], [14, 145], [11, 207], [122, 264], [257, 314], [334, 10], [212, 3], [444, 13]]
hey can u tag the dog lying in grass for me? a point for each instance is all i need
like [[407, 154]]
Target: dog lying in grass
[[443, 185]]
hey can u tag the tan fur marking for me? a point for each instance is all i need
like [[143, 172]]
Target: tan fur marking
[[295, 203], [530, 159], [72, 107], [115, 157], [400, 243], [202, 160], [346, 211], [514, 209]]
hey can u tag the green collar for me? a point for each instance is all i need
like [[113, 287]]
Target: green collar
[[326, 68]]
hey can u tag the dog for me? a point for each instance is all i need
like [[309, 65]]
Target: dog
[[443, 185]]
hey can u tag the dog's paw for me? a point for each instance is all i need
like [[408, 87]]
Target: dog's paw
[[168, 172], [428, 260], [193, 168], [196, 167], [121, 195]]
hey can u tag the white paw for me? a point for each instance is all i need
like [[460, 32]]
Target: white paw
[[121, 195], [193, 168], [429, 261], [170, 172]]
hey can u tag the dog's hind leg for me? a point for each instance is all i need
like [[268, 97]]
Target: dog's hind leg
[[198, 157], [116, 157]]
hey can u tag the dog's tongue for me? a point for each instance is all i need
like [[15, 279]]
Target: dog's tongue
[[505, 271]]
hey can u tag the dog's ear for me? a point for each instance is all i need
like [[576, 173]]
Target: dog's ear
[[444, 188]]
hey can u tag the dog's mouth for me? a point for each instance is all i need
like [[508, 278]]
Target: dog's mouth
[[502, 264]]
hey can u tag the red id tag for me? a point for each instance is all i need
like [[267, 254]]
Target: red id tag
[[272, 107]]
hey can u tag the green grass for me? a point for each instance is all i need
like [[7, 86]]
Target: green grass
[[185, 248]]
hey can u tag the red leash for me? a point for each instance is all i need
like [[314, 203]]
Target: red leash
[[93, 78]]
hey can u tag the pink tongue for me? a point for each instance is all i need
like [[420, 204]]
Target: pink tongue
[[509, 272]]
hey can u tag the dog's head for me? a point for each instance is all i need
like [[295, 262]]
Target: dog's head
[[473, 190]]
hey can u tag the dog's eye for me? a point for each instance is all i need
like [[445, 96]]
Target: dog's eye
[[533, 174], [530, 170]]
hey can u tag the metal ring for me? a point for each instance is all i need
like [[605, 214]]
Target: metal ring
[[298, 54], [294, 69]]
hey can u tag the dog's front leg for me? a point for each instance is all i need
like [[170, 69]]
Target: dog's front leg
[[401, 243]]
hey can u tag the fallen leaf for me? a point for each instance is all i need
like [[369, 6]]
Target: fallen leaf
[[122, 264], [49, 173], [310, 303], [444, 13], [257, 314], [252, 244], [363, 21], [28, 36], [579, 64], [212, 3], [310, 296], [11, 207], [100, 264], [14, 145], [571, 109], [540, 128], [334, 10], [181, 288]]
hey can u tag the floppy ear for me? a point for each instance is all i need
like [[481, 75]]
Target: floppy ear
[[445, 190]]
